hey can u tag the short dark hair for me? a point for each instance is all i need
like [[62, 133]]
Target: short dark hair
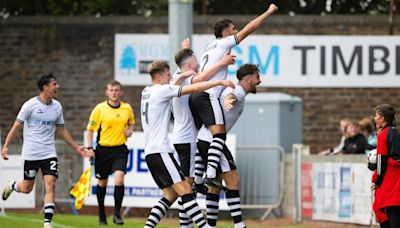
[[45, 80], [156, 67], [182, 55], [388, 113], [114, 83], [245, 70], [219, 27]]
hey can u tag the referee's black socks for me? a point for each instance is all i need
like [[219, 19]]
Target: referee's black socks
[[101, 194], [118, 197]]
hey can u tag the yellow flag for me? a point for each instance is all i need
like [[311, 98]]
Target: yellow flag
[[82, 188]]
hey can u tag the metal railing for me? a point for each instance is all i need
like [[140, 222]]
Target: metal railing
[[257, 189]]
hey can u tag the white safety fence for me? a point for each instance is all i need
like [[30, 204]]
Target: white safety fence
[[332, 188]]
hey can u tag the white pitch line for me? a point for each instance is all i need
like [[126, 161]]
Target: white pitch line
[[34, 220]]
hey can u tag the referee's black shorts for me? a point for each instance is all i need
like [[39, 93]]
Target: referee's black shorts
[[110, 159]]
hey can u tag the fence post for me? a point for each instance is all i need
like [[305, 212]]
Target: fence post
[[3, 212], [298, 151]]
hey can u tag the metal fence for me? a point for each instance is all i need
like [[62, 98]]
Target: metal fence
[[261, 169]]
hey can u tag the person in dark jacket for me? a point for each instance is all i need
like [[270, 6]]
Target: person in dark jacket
[[355, 142]]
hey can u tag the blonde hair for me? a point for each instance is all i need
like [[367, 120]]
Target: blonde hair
[[367, 124], [157, 67]]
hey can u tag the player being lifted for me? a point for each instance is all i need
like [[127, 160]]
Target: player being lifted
[[155, 116], [205, 106], [233, 101], [185, 133]]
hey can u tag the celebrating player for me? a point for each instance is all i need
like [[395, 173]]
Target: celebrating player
[[41, 118], [155, 110], [205, 106], [185, 133], [233, 100]]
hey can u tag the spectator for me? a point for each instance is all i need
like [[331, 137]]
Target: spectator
[[368, 130], [334, 150], [355, 142]]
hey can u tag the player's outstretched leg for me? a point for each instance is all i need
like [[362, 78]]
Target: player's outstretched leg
[[193, 210], [158, 211], [8, 189], [184, 220], [48, 214], [214, 155], [199, 169], [212, 203], [233, 200]]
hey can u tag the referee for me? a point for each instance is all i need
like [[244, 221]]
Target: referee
[[113, 120]]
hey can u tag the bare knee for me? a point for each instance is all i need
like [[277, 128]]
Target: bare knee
[[50, 185], [25, 188], [50, 188], [235, 182], [102, 183], [213, 190], [217, 129], [170, 194], [231, 180], [118, 178]]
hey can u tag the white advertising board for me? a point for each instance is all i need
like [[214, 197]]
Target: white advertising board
[[341, 192], [284, 61], [140, 188]]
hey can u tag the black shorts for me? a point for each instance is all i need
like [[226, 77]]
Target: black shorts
[[226, 163], [187, 153], [164, 169], [206, 110], [110, 159], [48, 166]]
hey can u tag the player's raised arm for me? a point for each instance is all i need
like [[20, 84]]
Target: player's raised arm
[[185, 44], [228, 59], [255, 23], [182, 76], [201, 86]]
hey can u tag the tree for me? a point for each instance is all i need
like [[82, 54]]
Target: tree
[[128, 60], [149, 8]]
